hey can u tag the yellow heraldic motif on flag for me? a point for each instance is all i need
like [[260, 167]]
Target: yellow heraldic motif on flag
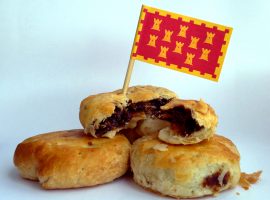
[[183, 31], [156, 24], [194, 42], [178, 47], [209, 38], [189, 58], [205, 53], [167, 36], [180, 43], [163, 52], [152, 40]]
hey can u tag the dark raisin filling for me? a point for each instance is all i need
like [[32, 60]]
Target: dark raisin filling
[[226, 178], [213, 182], [118, 119], [179, 116], [150, 107], [182, 120]]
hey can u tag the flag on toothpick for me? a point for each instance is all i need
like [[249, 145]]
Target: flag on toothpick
[[181, 43]]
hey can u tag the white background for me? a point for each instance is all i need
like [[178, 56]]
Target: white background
[[54, 53]]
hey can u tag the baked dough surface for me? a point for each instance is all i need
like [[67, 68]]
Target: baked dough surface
[[201, 112], [96, 108], [185, 171], [143, 93], [71, 159]]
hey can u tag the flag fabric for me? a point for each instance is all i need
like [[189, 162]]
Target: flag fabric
[[181, 43]]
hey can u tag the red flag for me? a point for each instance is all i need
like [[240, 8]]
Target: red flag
[[181, 43]]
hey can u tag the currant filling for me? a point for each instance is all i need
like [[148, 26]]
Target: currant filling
[[180, 117]]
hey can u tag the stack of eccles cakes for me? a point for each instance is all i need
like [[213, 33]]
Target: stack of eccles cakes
[[169, 143]]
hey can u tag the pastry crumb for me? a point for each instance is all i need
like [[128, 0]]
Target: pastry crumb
[[237, 193], [161, 147], [247, 179]]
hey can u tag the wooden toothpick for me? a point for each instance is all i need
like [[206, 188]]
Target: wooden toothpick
[[132, 59], [128, 75]]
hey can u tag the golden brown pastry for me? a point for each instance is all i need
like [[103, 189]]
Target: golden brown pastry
[[144, 93], [71, 159], [107, 113], [181, 122], [152, 110], [191, 121], [185, 171], [151, 126]]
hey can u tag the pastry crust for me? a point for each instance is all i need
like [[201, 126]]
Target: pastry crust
[[185, 171], [96, 108], [108, 113], [71, 159], [151, 127], [201, 112], [144, 93]]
